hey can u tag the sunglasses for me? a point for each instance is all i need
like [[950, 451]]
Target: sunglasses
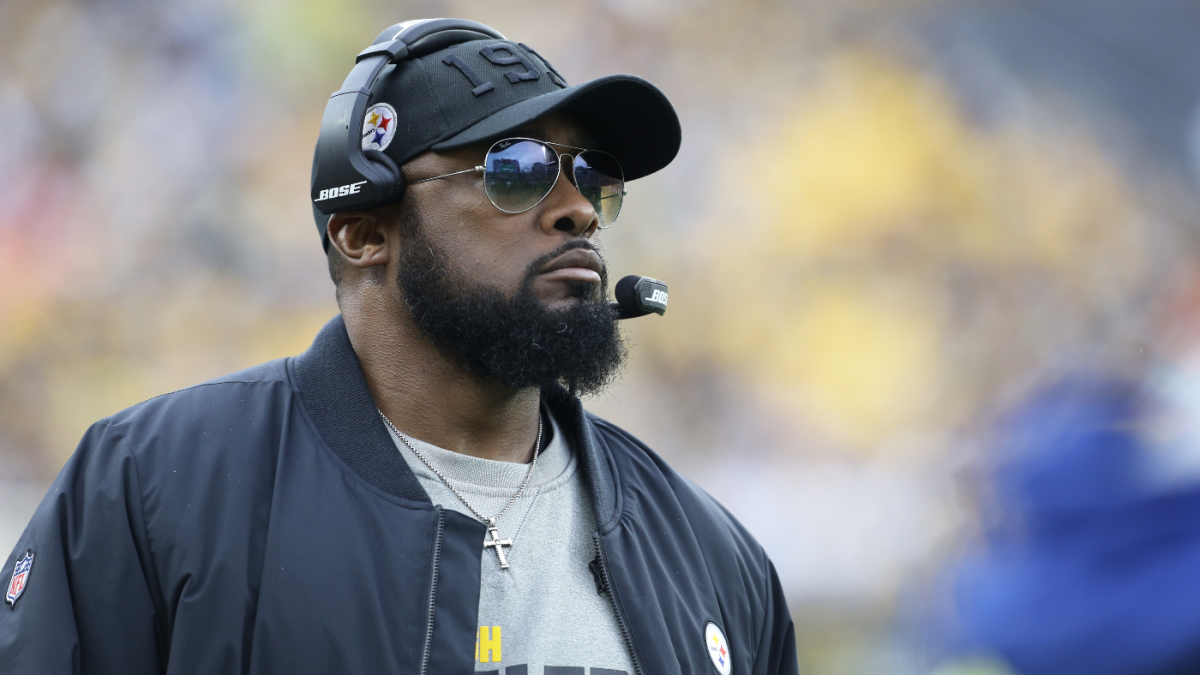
[[518, 173]]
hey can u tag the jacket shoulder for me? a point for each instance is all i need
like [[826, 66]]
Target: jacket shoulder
[[243, 409], [199, 399]]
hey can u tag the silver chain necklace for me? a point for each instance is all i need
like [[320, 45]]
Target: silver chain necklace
[[493, 531]]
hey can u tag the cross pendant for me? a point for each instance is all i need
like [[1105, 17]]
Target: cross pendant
[[497, 542]]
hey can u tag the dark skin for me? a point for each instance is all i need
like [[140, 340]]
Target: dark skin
[[423, 391]]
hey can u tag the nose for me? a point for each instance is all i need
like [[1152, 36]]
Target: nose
[[566, 209]]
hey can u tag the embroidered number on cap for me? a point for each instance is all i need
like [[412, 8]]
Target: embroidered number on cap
[[504, 55], [514, 57], [555, 76], [481, 87]]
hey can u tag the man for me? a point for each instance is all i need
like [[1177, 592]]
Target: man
[[419, 492]]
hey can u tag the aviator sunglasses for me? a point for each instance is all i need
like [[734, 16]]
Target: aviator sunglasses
[[518, 173]]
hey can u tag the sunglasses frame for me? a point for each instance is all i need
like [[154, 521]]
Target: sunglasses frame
[[479, 169]]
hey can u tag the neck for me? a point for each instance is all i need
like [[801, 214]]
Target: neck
[[427, 395]]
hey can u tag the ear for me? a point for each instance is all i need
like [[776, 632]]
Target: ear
[[360, 237]]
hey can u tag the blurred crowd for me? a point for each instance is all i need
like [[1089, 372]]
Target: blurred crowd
[[935, 327]]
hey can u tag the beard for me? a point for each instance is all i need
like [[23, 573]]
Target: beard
[[516, 341]]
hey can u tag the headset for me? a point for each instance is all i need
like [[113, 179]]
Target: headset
[[364, 179]]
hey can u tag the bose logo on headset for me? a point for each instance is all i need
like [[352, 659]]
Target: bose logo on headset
[[351, 189]]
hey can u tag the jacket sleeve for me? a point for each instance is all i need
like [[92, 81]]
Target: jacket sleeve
[[87, 605], [777, 645]]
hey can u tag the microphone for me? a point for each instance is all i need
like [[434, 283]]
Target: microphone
[[639, 296]]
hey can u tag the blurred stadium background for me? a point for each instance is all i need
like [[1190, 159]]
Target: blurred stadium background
[[887, 218]]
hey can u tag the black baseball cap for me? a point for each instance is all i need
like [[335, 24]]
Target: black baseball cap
[[481, 90]]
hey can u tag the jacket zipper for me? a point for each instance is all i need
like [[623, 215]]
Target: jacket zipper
[[437, 557], [608, 590]]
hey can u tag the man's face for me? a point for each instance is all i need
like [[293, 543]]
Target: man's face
[[517, 297], [497, 248]]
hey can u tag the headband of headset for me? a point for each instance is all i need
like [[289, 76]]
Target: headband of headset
[[351, 178]]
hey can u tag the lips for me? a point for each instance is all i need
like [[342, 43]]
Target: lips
[[580, 264]]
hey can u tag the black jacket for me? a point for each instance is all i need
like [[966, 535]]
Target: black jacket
[[265, 523]]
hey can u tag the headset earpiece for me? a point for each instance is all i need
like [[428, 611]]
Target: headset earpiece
[[388, 168], [344, 176]]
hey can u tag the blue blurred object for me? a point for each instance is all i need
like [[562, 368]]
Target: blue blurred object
[[1089, 567]]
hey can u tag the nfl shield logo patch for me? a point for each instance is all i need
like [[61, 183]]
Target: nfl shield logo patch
[[20, 577]]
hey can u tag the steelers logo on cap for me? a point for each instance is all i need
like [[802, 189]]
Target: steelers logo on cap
[[379, 127], [718, 648]]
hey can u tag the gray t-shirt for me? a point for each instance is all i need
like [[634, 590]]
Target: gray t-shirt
[[542, 614]]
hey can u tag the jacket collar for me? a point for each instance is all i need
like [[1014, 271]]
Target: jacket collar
[[335, 394]]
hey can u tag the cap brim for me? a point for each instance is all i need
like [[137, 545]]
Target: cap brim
[[629, 117]]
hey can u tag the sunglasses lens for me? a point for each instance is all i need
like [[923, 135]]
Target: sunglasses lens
[[518, 174], [599, 178]]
